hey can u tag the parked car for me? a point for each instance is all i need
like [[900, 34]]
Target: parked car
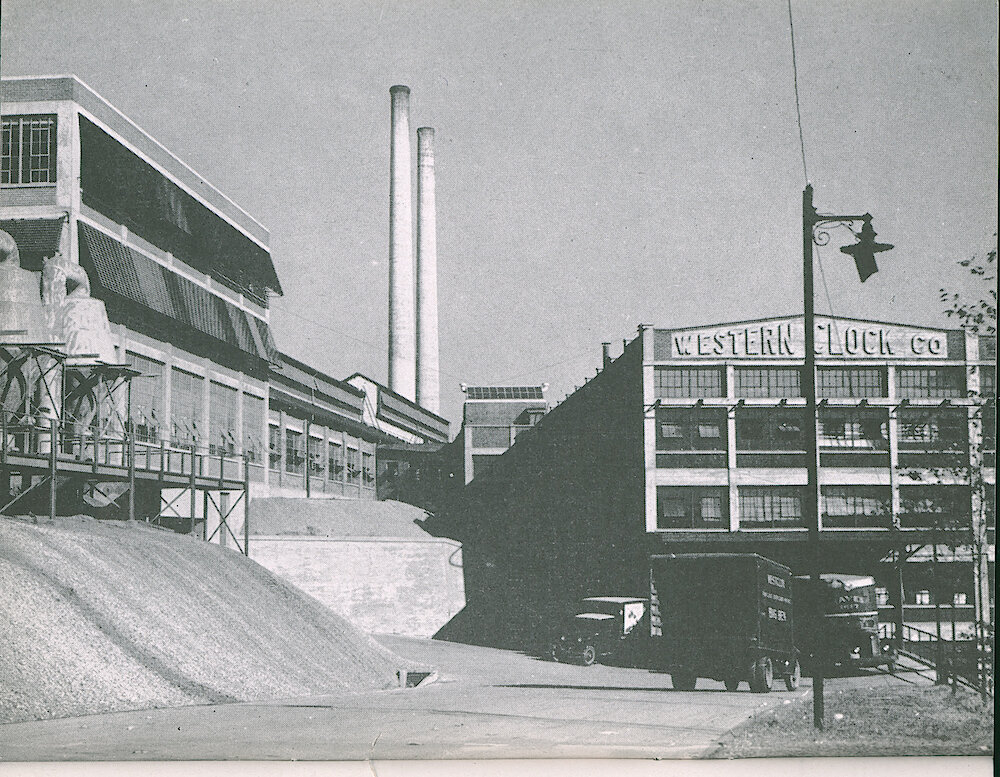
[[603, 626]]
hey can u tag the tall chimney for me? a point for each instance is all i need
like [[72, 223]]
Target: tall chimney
[[402, 340], [605, 354], [428, 378]]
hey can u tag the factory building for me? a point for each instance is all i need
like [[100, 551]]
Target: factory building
[[694, 440], [136, 300]]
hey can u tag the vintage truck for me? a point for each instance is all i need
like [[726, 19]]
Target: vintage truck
[[603, 627], [724, 616]]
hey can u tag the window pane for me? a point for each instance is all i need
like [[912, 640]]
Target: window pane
[[689, 382], [850, 382], [148, 396], [919, 382], [29, 150], [222, 410], [294, 453], [768, 382], [335, 461], [253, 426], [186, 407], [770, 507], [274, 448]]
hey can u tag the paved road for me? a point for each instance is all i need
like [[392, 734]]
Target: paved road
[[484, 703]]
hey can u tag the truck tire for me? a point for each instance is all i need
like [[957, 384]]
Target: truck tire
[[683, 680], [794, 677], [589, 655], [732, 683], [762, 675]]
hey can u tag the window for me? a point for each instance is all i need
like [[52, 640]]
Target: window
[[960, 599], [353, 466], [690, 382], [770, 429], [936, 382], [29, 150], [368, 469], [294, 454], [274, 448], [940, 429], [988, 382], [147, 397], [768, 382], [850, 382], [856, 506], [691, 429], [923, 597], [853, 429], [186, 407], [941, 506], [253, 425], [222, 411], [490, 436], [335, 461], [315, 456], [770, 507], [686, 507]]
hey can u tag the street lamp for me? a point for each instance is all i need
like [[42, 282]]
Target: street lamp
[[815, 228]]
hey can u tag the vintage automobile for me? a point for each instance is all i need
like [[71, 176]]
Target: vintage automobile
[[603, 626]]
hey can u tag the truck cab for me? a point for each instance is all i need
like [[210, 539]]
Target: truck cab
[[602, 627]]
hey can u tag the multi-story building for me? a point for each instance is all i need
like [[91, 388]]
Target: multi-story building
[[492, 417], [154, 318], [695, 439]]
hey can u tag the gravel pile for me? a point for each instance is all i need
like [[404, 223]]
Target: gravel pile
[[101, 616]]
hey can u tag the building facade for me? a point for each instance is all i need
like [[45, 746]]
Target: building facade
[[694, 439], [154, 308]]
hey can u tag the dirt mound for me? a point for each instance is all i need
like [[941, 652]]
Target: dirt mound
[[99, 616]]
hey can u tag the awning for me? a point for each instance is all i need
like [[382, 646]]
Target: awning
[[34, 236], [133, 276]]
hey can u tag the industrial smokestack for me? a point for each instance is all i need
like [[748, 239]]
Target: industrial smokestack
[[428, 379], [402, 340]]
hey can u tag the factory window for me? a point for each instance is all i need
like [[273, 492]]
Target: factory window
[[770, 507], [989, 421], [222, 412], [294, 454], [930, 382], [315, 456], [147, 396], [274, 448], [856, 506], [490, 436], [945, 507], [368, 469], [691, 429], [938, 429], [855, 428], [988, 382], [686, 507], [768, 382], [253, 426], [187, 396], [770, 429], [689, 382], [29, 150], [850, 382], [353, 466], [335, 461]]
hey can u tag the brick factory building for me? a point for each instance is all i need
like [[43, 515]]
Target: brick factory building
[[694, 440]]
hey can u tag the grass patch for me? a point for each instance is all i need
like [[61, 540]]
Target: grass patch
[[882, 721]]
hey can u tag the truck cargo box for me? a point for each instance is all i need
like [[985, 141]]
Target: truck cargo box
[[725, 616]]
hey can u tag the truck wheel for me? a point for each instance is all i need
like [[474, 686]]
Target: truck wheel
[[589, 655], [762, 675], [732, 683], [792, 680], [683, 680]]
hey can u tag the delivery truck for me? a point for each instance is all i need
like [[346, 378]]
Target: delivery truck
[[724, 616]]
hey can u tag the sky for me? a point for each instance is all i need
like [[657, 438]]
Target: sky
[[599, 164]]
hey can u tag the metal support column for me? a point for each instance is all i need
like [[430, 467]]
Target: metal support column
[[53, 450], [246, 506], [194, 495]]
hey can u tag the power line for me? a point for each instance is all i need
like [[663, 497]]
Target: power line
[[795, 79]]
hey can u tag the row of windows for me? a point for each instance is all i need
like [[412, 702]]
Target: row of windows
[[832, 382], [350, 466], [186, 425], [781, 428], [691, 507], [28, 150]]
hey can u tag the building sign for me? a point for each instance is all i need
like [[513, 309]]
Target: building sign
[[786, 339]]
